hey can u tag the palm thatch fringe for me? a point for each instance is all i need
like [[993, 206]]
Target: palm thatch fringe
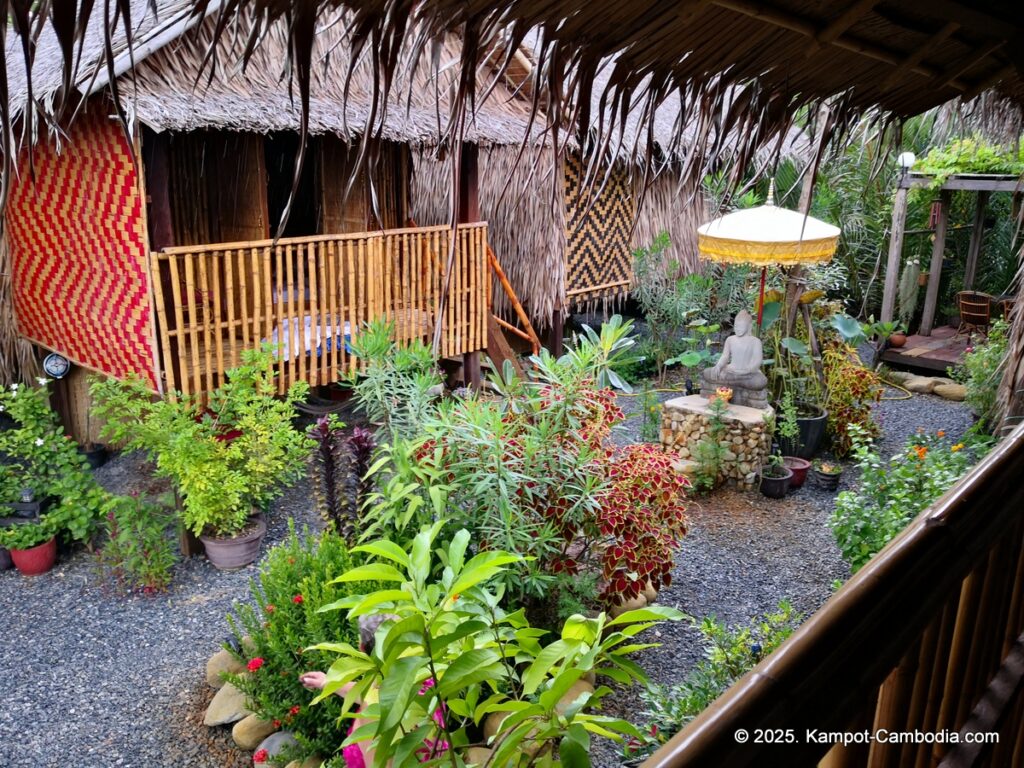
[[668, 206], [18, 362], [525, 221]]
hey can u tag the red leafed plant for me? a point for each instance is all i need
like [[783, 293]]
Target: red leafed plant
[[644, 515]]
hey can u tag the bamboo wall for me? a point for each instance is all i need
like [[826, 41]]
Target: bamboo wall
[[305, 295]]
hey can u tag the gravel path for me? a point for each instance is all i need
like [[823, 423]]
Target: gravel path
[[95, 680], [100, 680], [746, 552]]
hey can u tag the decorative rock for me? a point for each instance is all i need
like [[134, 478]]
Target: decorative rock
[[250, 731], [477, 755], [228, 706], [955, 392], [590, 677], [492, 724], [222, 662], [635, 604], [276, 743], [650, 593], [921, 384], [576, 690], [313, 761], [686, 467]]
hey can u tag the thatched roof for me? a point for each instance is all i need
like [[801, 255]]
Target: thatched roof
[[176, 83]]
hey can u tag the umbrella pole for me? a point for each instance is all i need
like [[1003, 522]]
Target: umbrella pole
[[760, 300]]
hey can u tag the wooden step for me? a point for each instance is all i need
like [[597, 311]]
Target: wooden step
[[499, 350]]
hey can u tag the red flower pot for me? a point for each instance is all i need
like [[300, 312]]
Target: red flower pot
[[799, 467], [35, 560]]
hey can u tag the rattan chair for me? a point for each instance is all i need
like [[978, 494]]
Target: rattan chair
[[975, 311]]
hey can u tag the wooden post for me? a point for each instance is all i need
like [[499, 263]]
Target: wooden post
[[977, 236], [931, 297], [892, 266], [555, 333], [469, 211]]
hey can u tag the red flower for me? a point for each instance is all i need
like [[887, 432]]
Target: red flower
[[254, 664], [276, 723], [269, 608], [294, 710], [297, 599], [261, 756]]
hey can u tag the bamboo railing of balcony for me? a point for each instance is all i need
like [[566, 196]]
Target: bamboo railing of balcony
[[925, 639], [308, 296]]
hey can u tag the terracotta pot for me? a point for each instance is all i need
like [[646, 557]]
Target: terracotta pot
[[799, 469], [898, 339], [776, 487], [922, 279], [35, 560], [233, 553]]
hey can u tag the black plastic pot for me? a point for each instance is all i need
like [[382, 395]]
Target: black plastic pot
[[775, 487], [826, 481], [5, 560], [812, 433], [96, 456]]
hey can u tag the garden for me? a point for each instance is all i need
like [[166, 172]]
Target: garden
[[561, 568]]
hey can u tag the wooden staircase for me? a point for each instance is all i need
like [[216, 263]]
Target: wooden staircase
[[498, 347]]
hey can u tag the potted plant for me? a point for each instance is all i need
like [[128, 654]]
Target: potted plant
[[44, 480], [799, 467], [33, 547], [827, 474], [223, 483], [898, 338], [775, 477]]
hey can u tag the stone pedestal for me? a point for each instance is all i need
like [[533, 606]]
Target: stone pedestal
[[746, 438]]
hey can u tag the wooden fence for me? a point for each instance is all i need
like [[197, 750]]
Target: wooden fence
[[309, 296], [926, 639]]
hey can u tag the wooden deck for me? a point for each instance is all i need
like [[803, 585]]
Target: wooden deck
[[943, 349]]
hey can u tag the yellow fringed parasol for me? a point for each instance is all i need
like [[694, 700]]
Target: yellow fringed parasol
[[767, 235]]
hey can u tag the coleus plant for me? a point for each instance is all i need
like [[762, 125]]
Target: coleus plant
[[449, 648]]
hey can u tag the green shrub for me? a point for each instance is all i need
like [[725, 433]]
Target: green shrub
[[451, 656], [224, 458], [396, 388], [729, 653], [137, 552], [981, 371], [39, 456], [892, 493], [295, 581]]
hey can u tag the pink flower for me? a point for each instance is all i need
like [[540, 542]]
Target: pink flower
[[427, 685], [254, 664], [297, 599], [269, 608]]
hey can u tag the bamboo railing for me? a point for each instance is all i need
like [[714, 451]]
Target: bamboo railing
[[308, 296], [925, 639]]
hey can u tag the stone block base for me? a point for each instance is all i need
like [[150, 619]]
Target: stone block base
[[746, 437]]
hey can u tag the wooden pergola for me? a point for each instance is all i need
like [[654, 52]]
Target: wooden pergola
[[983, 186]]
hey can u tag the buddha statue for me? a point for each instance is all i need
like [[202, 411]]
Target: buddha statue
[[739, 367]]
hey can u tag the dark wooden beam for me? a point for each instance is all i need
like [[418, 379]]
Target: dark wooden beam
[[967, 63], [917, 56], [840, 24], [931, 295], [156, 162], [977, 237], [966, 183], [802, 26], [892, 266], [971, 18]]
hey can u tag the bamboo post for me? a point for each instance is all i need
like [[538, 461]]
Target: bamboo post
[[169, 363], [937, 680], [931, 296], [977, 238], [891, 712], [892, 266], [317, 349]]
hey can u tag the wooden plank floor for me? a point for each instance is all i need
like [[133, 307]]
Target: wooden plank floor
[[943, 349]]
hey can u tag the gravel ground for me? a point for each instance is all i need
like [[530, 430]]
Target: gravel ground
[[100, 680], [96, 680], [746, 552]]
